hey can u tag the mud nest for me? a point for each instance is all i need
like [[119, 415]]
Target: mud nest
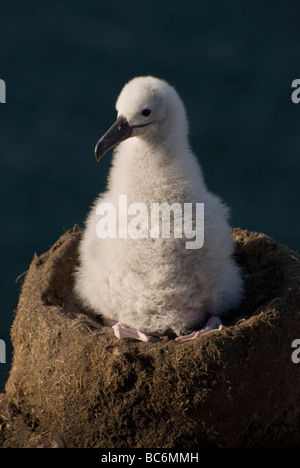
[[73, 384]]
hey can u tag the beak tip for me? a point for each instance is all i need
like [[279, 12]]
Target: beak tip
[[119, 132], [97, 152]]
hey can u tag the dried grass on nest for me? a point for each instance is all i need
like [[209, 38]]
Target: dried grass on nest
[[73, 384]]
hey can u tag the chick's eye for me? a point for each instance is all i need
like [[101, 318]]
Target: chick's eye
[[146, 112]]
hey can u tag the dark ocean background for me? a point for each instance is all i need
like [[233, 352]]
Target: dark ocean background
[[64, 64]]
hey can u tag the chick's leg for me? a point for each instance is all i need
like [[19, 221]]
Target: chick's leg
[[214, 323], [121, 331]]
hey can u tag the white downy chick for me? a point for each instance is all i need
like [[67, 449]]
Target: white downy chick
[[148, 285]]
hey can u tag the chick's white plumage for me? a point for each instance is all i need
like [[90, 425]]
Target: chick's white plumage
[[156, 284]]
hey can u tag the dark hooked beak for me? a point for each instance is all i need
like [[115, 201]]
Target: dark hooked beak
[[117, 133]]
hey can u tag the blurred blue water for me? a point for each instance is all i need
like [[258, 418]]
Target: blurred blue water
[[64, 64]]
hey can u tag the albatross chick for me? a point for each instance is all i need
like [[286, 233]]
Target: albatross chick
[[141, 279]]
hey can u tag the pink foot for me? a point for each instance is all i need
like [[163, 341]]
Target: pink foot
[[214, 323], [121, 331]]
